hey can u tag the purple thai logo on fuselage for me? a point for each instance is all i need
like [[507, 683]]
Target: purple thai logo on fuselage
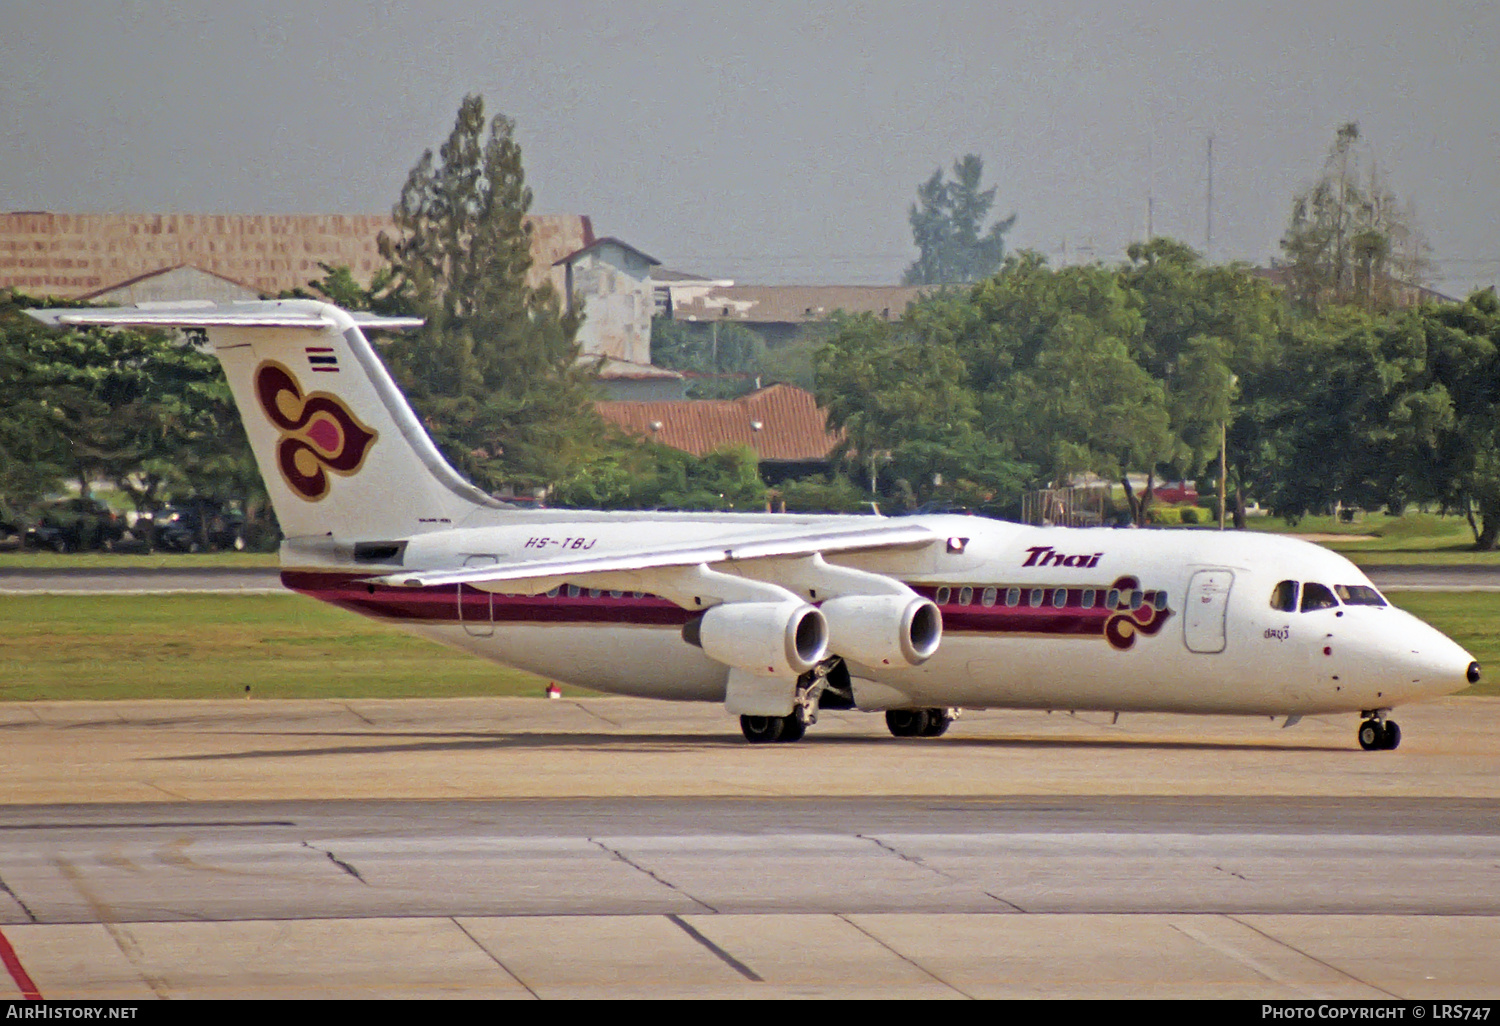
[[1046, 555]]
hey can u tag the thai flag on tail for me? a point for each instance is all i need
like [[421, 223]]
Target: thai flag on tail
[[322, 359]]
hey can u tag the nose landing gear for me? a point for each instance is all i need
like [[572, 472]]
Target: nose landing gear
[[1376, 733]]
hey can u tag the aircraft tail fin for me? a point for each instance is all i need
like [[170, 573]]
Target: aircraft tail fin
[[341, 451]]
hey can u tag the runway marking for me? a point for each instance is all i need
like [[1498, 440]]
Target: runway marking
[[17, 971], [106, 918], [724, 956], [163, 825], [1254, 964]]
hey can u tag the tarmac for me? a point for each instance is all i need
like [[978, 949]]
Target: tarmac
[[618, 848]]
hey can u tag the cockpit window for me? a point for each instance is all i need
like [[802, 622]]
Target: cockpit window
[[1317, 596], [1284, 597], [1359, 595]]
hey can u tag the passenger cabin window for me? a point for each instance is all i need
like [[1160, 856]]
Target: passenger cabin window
[[1087, 601], [1060, 598], [1358, 595], [1012, 596], [1036, 597], [1159, 600], [1317, 596], [1284, 596], [943, 594], [965, 596], [988, 598]]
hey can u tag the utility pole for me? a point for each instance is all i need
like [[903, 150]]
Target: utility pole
[[1223, 453], [1208, 235]]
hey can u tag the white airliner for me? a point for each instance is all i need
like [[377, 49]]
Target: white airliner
[[776, 616]]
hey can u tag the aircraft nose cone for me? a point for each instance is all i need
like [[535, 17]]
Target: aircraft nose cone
[[1473, 673]]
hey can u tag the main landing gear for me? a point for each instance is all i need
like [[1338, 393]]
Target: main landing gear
[[1376, 733], [765, 729], [920, 722]]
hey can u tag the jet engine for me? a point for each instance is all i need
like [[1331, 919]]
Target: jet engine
[[772, 639], [882, 630]]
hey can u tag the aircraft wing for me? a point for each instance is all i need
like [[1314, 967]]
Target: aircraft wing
[[792, 542]]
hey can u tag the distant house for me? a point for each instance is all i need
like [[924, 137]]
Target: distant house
[[610, 283], [173, 284], [681, 288], [782, 423], [782, 313]]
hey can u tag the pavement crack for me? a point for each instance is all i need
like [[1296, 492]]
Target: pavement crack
[[909, 961], [1004, 901], [1230, 872], [493, 957], [1327, 965], [915, 860], [723, 956], [346, 867], [358, 715], [5, 888], [669, 885], [597, 715], [920, 863]]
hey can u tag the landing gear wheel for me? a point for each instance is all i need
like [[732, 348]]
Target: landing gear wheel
[[760, 730], [938, 722], [1391, 738], [792, 729], [1371, 735], [907, 722]]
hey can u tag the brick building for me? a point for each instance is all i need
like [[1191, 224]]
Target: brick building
[[72, 255]]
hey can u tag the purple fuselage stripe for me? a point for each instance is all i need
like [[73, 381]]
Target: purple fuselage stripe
[[439, 604]]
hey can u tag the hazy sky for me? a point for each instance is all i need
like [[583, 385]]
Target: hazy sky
[[769, 142]]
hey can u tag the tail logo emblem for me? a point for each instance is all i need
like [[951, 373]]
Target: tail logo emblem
[[318, 432]]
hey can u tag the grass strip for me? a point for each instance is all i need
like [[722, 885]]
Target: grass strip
[[98, 647]]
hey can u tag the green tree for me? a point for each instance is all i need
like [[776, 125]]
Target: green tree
[[495, 371], [1049, 356], [647, 475], [726, 357], [909, 417], [1206, 332], [1438, 434], [947, 226], [1349, 240], [33, 449], [146, 410]]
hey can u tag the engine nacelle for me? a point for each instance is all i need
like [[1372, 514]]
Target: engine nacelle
[[883, 630], [772, 639]]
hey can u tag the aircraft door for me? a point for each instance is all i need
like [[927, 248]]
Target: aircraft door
[[476, 609], [1205, 610]]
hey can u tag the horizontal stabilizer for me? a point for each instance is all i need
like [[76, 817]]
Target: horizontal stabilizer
[[274, 314]]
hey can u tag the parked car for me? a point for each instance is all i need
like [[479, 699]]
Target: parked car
[[12, 533], [193, 526], [72, 525]]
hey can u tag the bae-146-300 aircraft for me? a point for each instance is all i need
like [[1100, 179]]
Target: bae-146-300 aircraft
[[778, 615]]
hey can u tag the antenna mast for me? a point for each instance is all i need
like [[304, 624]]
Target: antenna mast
[[1208, 235]]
